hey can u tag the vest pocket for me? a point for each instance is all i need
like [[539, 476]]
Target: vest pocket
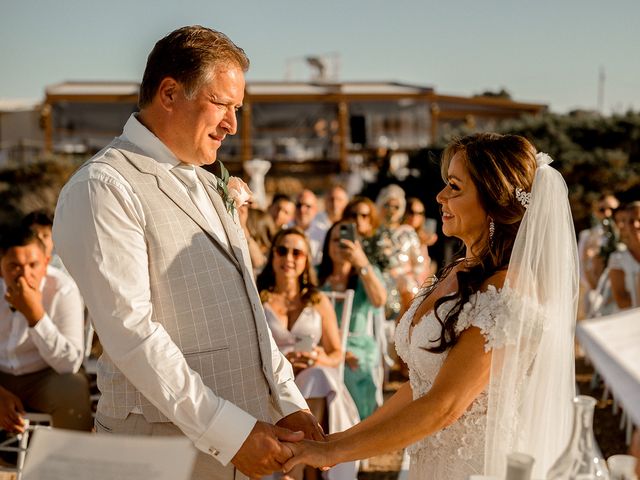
[[205, 351]]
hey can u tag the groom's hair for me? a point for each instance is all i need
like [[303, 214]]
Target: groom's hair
[[187, 55]]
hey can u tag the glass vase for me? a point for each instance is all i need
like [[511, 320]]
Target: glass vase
[[581, 458]]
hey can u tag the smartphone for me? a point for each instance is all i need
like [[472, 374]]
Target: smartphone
[[304, 343], [348, 232], [430, 225]]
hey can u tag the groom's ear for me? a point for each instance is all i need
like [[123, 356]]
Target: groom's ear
[[168, 92]]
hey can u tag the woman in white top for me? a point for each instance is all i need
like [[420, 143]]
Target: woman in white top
[[490, 344], [624, 265], [304, 326]]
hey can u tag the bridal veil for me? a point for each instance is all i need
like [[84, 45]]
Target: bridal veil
[[532, 376]]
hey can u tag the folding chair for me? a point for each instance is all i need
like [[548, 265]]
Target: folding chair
[[346, 298], [21, 441]]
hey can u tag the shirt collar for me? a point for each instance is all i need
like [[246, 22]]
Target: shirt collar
[[136, 133]]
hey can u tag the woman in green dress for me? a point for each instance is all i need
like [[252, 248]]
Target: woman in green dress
[[346, 266]]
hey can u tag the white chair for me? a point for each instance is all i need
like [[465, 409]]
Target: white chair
[[21, 441], [346, 298]]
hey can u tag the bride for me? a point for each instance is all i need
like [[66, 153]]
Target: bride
[[490, 344]]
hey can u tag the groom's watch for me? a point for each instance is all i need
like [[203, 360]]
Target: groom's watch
[[364, 270]]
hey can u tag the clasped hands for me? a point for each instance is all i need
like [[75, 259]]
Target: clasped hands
[[270, 448]]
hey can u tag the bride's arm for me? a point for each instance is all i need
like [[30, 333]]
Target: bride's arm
[[463, 376], [397, 402]]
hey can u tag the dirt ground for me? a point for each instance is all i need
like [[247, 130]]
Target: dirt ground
[[606, 427]]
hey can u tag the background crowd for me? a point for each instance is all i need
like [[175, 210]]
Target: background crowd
[[302, 248]]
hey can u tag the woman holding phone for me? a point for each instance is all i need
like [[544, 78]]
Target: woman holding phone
[[345, 266], [303, 323]]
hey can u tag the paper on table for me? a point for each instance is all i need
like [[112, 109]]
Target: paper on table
[[56, 454]]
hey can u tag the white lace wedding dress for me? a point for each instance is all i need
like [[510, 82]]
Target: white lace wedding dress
[[458, 450]]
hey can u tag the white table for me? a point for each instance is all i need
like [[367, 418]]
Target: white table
[[612, 343]]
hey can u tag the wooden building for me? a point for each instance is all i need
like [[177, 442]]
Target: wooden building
[[298, 126]]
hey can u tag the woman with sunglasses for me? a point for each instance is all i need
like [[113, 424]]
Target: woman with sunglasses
[[346, 266], [304, 326]]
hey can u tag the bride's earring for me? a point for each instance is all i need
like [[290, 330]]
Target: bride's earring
[[492, 229]]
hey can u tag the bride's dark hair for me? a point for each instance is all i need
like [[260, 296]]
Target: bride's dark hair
[[497, 165]]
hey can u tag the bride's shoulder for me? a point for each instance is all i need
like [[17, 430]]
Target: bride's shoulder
[[495, 282]]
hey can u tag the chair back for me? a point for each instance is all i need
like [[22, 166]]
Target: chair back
[[346, 298], [21, 441]]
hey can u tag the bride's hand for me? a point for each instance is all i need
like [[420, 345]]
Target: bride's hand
[[307, 452]]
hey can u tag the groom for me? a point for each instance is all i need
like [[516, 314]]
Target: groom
[[165, 272]]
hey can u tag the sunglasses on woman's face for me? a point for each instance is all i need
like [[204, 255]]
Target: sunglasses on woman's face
[[283, 251], [416, 212]]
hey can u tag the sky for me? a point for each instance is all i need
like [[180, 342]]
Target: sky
[[543, 51]]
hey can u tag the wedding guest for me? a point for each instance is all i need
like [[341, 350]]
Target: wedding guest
[[345, 266], [375, 242], [624, 265], [282, 210], [304, 326], [304, 219], [41, 222], [335, 201], [425, 228], [259, 230], [594, 246], [407, 265], [41, 338], [153, 242], [490, 344]]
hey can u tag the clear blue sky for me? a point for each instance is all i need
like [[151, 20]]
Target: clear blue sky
[[547, 51]]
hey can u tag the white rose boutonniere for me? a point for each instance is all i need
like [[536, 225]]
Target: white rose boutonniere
[[234, 192], [239, 192]]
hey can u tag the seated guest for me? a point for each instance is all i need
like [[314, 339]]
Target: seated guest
[[258, 229], [282, 210], [335, 201], [306, 211], [303, 324], [41, 338], [624, 265], [40, 222], [345, 266]]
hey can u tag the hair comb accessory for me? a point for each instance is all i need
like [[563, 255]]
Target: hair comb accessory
[[523, 197]]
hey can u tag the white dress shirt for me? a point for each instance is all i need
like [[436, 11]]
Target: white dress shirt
[[56, 341], [115, 278]]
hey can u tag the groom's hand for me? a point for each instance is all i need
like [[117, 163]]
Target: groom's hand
[[262, 452], [303, 421]]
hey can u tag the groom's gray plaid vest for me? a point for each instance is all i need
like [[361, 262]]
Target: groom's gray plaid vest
[[201, 294]]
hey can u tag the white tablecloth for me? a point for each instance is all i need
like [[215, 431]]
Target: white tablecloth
[[612, 343]]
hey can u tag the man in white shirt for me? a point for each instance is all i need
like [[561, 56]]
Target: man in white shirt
[[162, 263], [306, 210], [335, 201], [41, 338]]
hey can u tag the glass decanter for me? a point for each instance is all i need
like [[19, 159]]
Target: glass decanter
[[581, 459]]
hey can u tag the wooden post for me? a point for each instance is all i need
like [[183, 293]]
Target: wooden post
[[245, 135], [343, 119], [435, 112], [46, 122]]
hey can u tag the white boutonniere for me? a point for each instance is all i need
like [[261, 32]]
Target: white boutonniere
[[239, 192], [234, 191]]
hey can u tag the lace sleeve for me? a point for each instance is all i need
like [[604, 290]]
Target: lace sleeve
[[491, 312]]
